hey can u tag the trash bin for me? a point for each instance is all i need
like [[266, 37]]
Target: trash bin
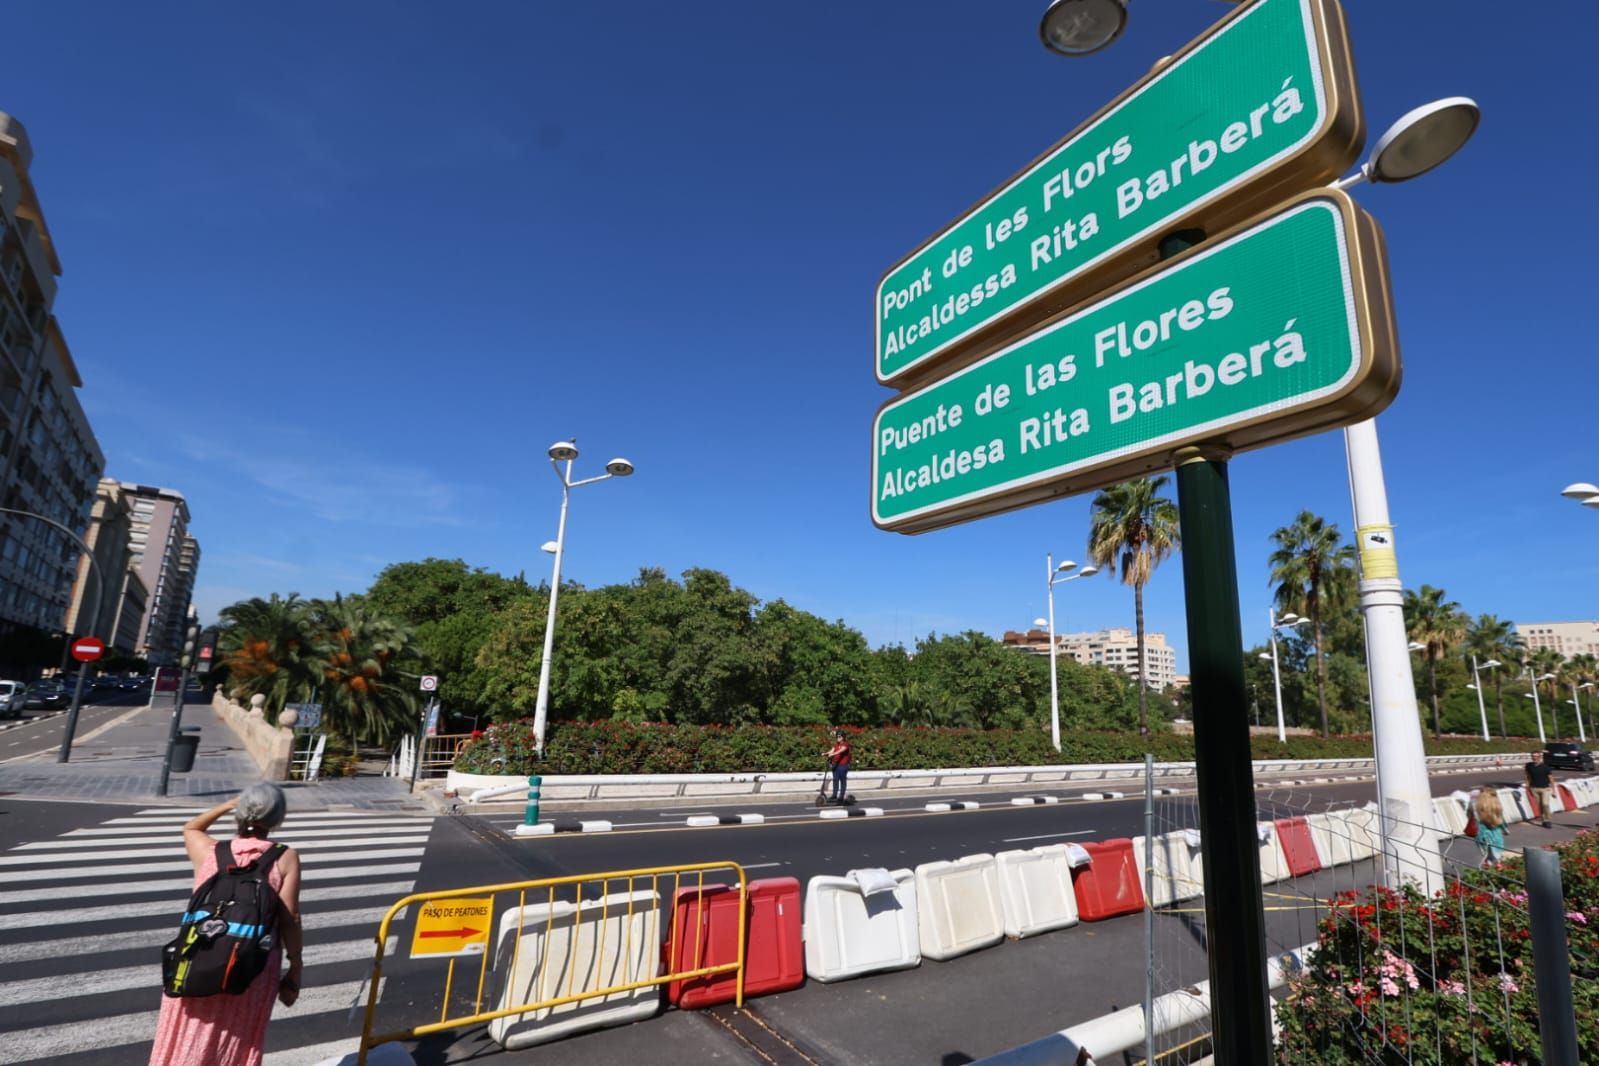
[[183, 748]]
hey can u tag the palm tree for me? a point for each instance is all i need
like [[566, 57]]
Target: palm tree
[[1438, 625], [1492, 638], [271, 647], [1312, 564], [365, 695], [1131, 530]]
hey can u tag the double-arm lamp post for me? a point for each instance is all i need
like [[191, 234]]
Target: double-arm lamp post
[[1057, 575], [1287, 621], [564, 451]]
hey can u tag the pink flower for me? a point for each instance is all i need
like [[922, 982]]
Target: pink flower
[[1389, 988], [1452, 988], [1508, 983], [1577, 916]]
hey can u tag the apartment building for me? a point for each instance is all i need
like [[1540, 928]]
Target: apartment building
[[1116, 648], [50, 462], [1567, 638], [119, 618], [165, 558]]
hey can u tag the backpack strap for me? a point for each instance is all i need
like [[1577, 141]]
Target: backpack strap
[[224, 856], [262, 864], [270, 857]]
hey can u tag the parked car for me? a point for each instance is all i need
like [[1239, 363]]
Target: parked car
[[11, 698], [1564, 755], [45, 696]]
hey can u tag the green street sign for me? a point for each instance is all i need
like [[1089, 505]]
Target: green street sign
[[1278, 329], [1262, 106]]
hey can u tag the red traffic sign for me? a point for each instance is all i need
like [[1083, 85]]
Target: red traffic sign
[[88, 649]]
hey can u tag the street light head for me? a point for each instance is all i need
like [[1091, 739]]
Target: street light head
[[563, 451], [1263, 655], [1040, 621], [1423, 138], [1546, 677], [1591, 501], [1417, 647], [1471, 686], [1065, 566], [1491, 663], [1289, 619], [550, 546], [1088, 571], [1581, 490], [619, 467], [1080, 27]]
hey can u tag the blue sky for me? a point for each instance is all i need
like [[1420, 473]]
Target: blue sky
[[342, 272]]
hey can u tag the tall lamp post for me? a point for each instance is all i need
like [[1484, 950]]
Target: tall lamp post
[[1056, 575], [1575, 688], [99, 600], [1537, 707], [564, 451], [1287, 621], [1421, 140], [1476, 683]]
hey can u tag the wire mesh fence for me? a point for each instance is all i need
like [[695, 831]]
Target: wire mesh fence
[[1394, 939]]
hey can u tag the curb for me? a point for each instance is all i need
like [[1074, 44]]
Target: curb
[[850, 812], [953, 805], [1103, 795], [1030, 801], [15, 722], [700, 821], [549, 828]]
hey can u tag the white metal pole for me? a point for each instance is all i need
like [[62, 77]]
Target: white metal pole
[[1482, 707], [1404, 792], [1276, 676], [1537, 708], [541, 711], [1582, 734], [1054, 685]]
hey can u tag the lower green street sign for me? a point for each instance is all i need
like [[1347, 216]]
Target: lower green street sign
[[1275, 330]]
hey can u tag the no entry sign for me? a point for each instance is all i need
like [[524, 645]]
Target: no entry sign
[[88, 649]]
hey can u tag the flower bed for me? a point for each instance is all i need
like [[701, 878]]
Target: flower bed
[[615, 747], [1399, 977]]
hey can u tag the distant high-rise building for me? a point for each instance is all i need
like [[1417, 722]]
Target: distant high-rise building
[[165, 557], [50, 462], [1116, 648], [119, 619]]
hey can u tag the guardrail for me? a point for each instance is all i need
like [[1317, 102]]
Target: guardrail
[[621, 786], [600, 916]]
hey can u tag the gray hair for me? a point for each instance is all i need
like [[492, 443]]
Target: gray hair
[[260, 808]]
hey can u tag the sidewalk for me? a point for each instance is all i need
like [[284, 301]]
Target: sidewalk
[[120, 762]]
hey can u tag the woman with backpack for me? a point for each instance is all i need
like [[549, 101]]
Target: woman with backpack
[[202, 1027]]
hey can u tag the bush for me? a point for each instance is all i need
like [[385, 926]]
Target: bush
[[620, 747], [1399, 977]]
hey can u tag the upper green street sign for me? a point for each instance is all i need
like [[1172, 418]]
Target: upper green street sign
[[1278, 329], [1260, 107]]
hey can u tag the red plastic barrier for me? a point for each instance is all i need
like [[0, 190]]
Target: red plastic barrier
[[1532, 804], [705, 933], [1570, 800], [1298, 848], [1109, 885]]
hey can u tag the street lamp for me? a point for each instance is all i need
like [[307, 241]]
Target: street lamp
[[99, 601], [1582, 734], [1080, 27], [1537, 707], [1287, 621], [1583, 491], [564, 451], [1056, 575], [1482, 708]]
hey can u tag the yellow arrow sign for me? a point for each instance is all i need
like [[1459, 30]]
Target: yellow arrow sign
[[447, 927]]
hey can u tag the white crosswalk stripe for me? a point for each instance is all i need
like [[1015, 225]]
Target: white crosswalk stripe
[[71, 903]]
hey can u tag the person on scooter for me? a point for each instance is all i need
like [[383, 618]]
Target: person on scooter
[[838, 760]]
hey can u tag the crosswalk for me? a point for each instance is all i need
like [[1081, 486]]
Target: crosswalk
[[83, 916]]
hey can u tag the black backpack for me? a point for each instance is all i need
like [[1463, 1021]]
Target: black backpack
[[228, 933]]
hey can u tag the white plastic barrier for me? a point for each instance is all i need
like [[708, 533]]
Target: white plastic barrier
[[848, 934], [1035, 890], [1273, 863], [958, 905], [1518, 807], [1331, 834], [1584, 792], [1365, 834], [1172, 878], [563, 953], [1451, 815]]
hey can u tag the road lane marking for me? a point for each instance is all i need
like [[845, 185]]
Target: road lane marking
[[174, 907], [35, 858], [155, 937], [139, 869], [1048, 836], [184, 886]]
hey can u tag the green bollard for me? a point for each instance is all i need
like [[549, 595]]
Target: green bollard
[[532, 816]]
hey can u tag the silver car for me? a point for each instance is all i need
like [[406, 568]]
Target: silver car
[[11, 698]]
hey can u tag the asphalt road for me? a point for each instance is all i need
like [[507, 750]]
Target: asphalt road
[[40, 731]]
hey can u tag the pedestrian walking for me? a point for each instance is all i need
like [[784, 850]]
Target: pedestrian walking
[[838, 760], [1490, 817], [1541, 781], [224, 1029]]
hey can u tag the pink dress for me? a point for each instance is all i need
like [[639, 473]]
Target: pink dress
[[221, 1030]]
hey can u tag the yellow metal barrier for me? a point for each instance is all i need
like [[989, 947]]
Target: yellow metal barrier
[[681, 876]]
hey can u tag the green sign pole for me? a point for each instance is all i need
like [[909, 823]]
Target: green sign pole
[[1235, 918]]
